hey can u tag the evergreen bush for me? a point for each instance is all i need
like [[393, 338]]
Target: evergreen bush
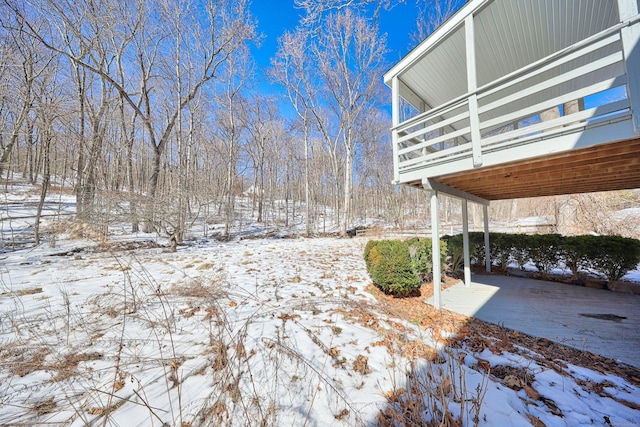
[[390, 267], [545, 252], [420, 253], [455, 252], [400, 267], [476, 243], [367, 250], [614, 256], [575, 253], [501, 249], [520, 249]]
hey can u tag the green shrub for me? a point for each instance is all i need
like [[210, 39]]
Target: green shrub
[[613, 256], [421, 253], [455, 252], [400, 267], [520, 249], [390, 267], [476, 245], [575, 253], [501, 245], [545, 252], [367, 250]]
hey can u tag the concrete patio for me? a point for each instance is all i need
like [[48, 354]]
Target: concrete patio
[[599, 321]]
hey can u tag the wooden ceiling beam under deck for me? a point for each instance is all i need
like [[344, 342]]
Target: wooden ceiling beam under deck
[[603, 167]]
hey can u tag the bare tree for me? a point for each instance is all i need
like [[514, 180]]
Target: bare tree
[[350, 53], [231, 124], [47, 99], [317, 10], [220, 28], [24, 64], [293, 69], [431, 14]]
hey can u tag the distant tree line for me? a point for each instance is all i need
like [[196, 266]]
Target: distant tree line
[[152, 112]]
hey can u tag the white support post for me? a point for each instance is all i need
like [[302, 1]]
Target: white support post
[[465, 243], [435, 249], [472, 86], [474, 122], [631, 47], [395, 119], [487, 248]]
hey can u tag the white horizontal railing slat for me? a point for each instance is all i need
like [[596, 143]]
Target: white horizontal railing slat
[[449, 152], [435, 126], [585, 69], [554, 102], [434, 141], [430, 114], [563, 60], [581, 117], [565, 129]]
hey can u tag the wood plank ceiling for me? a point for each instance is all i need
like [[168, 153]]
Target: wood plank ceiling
[[604, 167]]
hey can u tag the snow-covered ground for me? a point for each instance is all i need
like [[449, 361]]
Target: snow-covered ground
[[274, 332]]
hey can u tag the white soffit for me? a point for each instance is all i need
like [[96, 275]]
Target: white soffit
[[509, 34], [512, 34]]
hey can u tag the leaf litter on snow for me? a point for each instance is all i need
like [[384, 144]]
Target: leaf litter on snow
[[270, 332]]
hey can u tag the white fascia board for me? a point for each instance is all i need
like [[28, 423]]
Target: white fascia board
[[441, 32]]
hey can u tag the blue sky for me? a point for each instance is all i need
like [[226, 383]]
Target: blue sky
[[275, 17]]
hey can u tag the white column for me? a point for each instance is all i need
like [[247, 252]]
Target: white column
[[631, 47], [465, 243], [435, 249], [395, 120], [487, 248], [472, 85]]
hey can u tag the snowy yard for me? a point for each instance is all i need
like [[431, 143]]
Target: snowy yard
[[256, 332]]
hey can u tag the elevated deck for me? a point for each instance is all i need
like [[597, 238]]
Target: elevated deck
[[511, 99], [519, 99]]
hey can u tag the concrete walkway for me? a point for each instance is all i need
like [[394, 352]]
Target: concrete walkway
[[599, 321]]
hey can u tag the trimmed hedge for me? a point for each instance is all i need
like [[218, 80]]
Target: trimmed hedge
[[400, 267], [545, 252], [612, 256]]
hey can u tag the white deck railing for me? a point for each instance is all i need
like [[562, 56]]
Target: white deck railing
[[508, 110]]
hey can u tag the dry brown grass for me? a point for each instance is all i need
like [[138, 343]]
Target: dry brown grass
[[75, 230], [23, 361], [205, 266], [30, 291], [67, 366], [44, 407]]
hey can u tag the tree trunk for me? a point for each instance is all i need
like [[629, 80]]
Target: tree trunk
[[348, 176], [307, 199], [80, 82], [46, 174]]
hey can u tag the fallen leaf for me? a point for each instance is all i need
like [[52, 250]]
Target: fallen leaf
[[531, 392]]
